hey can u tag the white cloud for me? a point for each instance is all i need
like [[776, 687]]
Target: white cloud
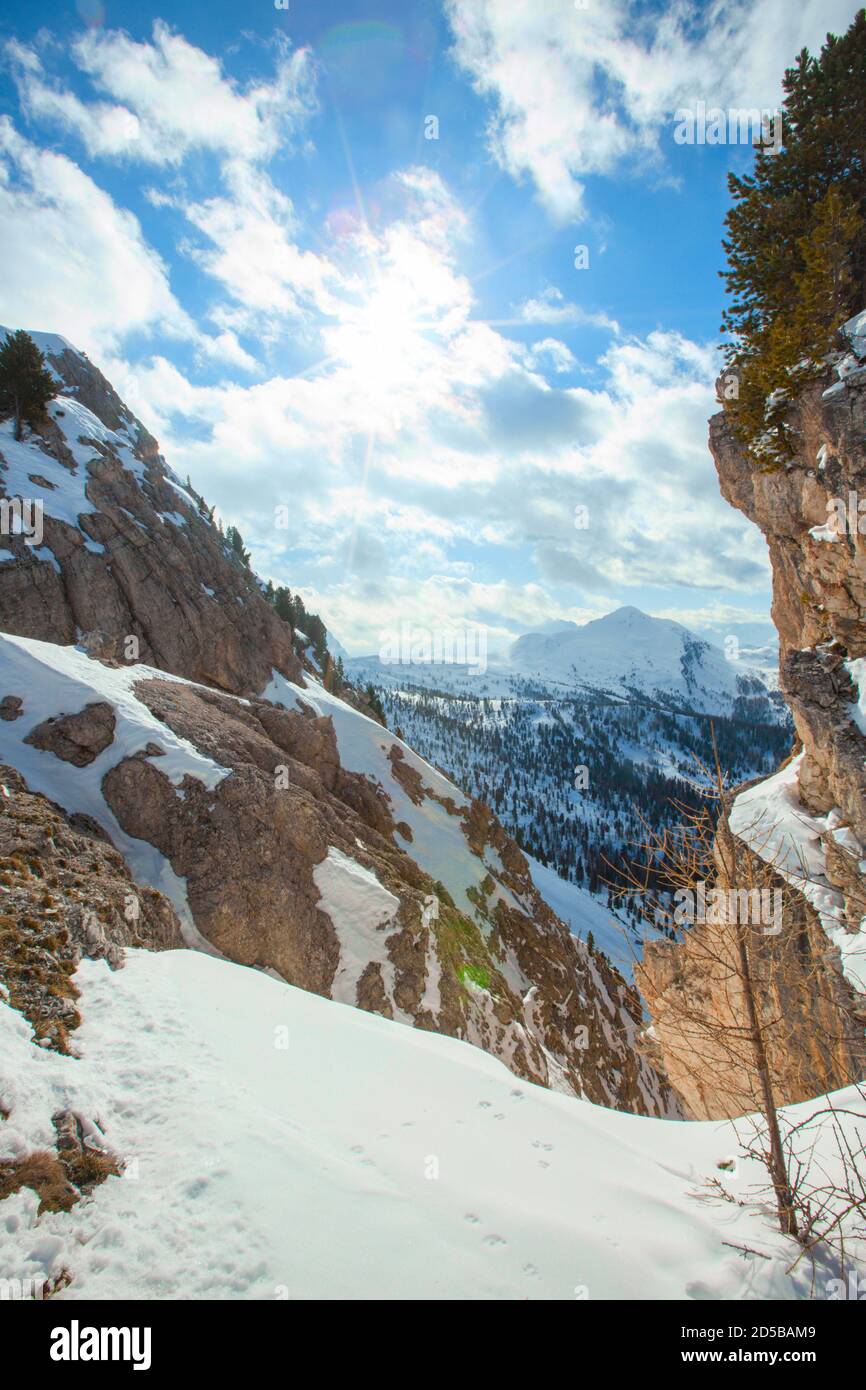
[[561, 357], [169, 97], [426, 452], [576, 90], [550, 306], [250, 247], [82, 265], [477, 476]]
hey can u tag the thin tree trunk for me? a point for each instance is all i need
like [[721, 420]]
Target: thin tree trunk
[[778, 1167]]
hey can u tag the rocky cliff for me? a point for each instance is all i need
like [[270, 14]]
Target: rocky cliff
[[271, 822], [130, 561], [806, 825]]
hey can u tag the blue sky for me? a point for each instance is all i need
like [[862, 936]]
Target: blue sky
[[329, 318]]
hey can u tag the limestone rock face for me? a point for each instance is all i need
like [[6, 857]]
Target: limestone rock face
[[819, 580], [813, 516], [130, 560], [813, 1020]]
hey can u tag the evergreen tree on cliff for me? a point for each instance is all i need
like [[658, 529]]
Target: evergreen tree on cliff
[[796, 245], [26, 384]]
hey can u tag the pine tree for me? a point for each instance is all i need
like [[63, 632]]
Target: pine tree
[[235, 541], [375, 703], [825, 287], [26, 384], [781, 227]]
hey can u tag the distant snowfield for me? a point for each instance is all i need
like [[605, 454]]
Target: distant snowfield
[[285, 1146]]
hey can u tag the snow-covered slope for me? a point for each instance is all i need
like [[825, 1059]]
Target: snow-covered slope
[[283, 1146], [337, 858]]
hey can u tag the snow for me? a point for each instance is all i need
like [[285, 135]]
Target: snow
[[65, 498], [855, 331], [827, 532], [772, 821], [583, 913], [362, 911], [355, 1159], [857, 671], [628, 650], [50, 343], [851, 370], [438, 843], [55, 680], [46, 554], [625, 653]]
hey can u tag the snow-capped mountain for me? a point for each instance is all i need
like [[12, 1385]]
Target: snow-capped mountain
[[627, 655]]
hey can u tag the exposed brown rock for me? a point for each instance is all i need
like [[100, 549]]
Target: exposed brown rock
[[146, 577], [60, 1179], [813, 1020], [76, 738], [150, 582], [408, 777], [65, 892]]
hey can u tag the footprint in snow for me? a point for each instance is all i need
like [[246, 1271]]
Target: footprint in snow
[[471, 1218], [495, 1240]]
